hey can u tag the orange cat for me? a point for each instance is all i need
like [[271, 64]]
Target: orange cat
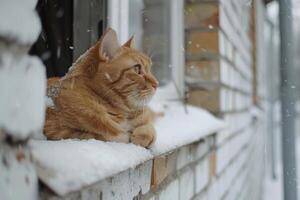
[[104, 96]]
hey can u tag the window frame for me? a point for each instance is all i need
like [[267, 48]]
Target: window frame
[[118, 19]]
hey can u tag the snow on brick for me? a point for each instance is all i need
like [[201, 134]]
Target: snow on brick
[[23, 88], [69, 165], [19, 21]]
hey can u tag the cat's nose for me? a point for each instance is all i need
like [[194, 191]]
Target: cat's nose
[[154, 84]]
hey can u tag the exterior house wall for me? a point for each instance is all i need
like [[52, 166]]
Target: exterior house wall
[[219, 73], [224, 165], [221, 78]]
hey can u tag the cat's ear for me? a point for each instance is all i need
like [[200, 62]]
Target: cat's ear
[[109, 45], [129, 43]]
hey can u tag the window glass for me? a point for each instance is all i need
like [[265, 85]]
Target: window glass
[[150, 23], [69, 28]]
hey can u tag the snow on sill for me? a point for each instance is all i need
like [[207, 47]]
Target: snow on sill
[[68, 165]]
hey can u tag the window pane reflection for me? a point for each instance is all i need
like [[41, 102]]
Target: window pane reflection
[[150, 23]]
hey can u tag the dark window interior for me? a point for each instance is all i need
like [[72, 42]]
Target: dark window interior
[[69, 28], [55, 43]]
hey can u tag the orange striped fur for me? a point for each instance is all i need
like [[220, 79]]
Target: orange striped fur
[[104, 96]]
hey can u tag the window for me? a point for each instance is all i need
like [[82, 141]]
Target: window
[[158, 29], [89, 24], [150, 20], [69, 28], [56, 38]]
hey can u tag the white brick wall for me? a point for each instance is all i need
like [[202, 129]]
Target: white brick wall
[[190, 178], [187, 185], [170, 192], [201, 148], [237, 170], [201, 175], [127, 184], [234, 173], [185, 156]]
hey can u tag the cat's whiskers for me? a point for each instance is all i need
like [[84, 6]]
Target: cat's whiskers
[[133, 98], [141, 97], [138, 99]]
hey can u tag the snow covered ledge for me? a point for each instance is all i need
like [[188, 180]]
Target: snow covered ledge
[[79, 169]]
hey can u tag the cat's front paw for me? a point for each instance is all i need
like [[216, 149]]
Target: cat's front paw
[[143, 135]]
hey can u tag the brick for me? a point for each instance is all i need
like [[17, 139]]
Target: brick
[[90, 193], [212, 193], [232, 41], [206, 99], [201, 196], [125, 185], [159, 171], [186, 185], [212, 164], [224, 100], [203, 70], [171, 191], [201, 175], [200, 148], [222, 136], [119, 187], [141, 177], [163, 166], [231, 149], [185, 156], [222, 44], [201, 15], [201, 41]]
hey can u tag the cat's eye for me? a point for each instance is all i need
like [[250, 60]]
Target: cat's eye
[[137, 68]]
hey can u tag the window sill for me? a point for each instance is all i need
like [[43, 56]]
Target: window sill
[[69, 165]]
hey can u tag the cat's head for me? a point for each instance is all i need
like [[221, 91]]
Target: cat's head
[[122, 68]]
